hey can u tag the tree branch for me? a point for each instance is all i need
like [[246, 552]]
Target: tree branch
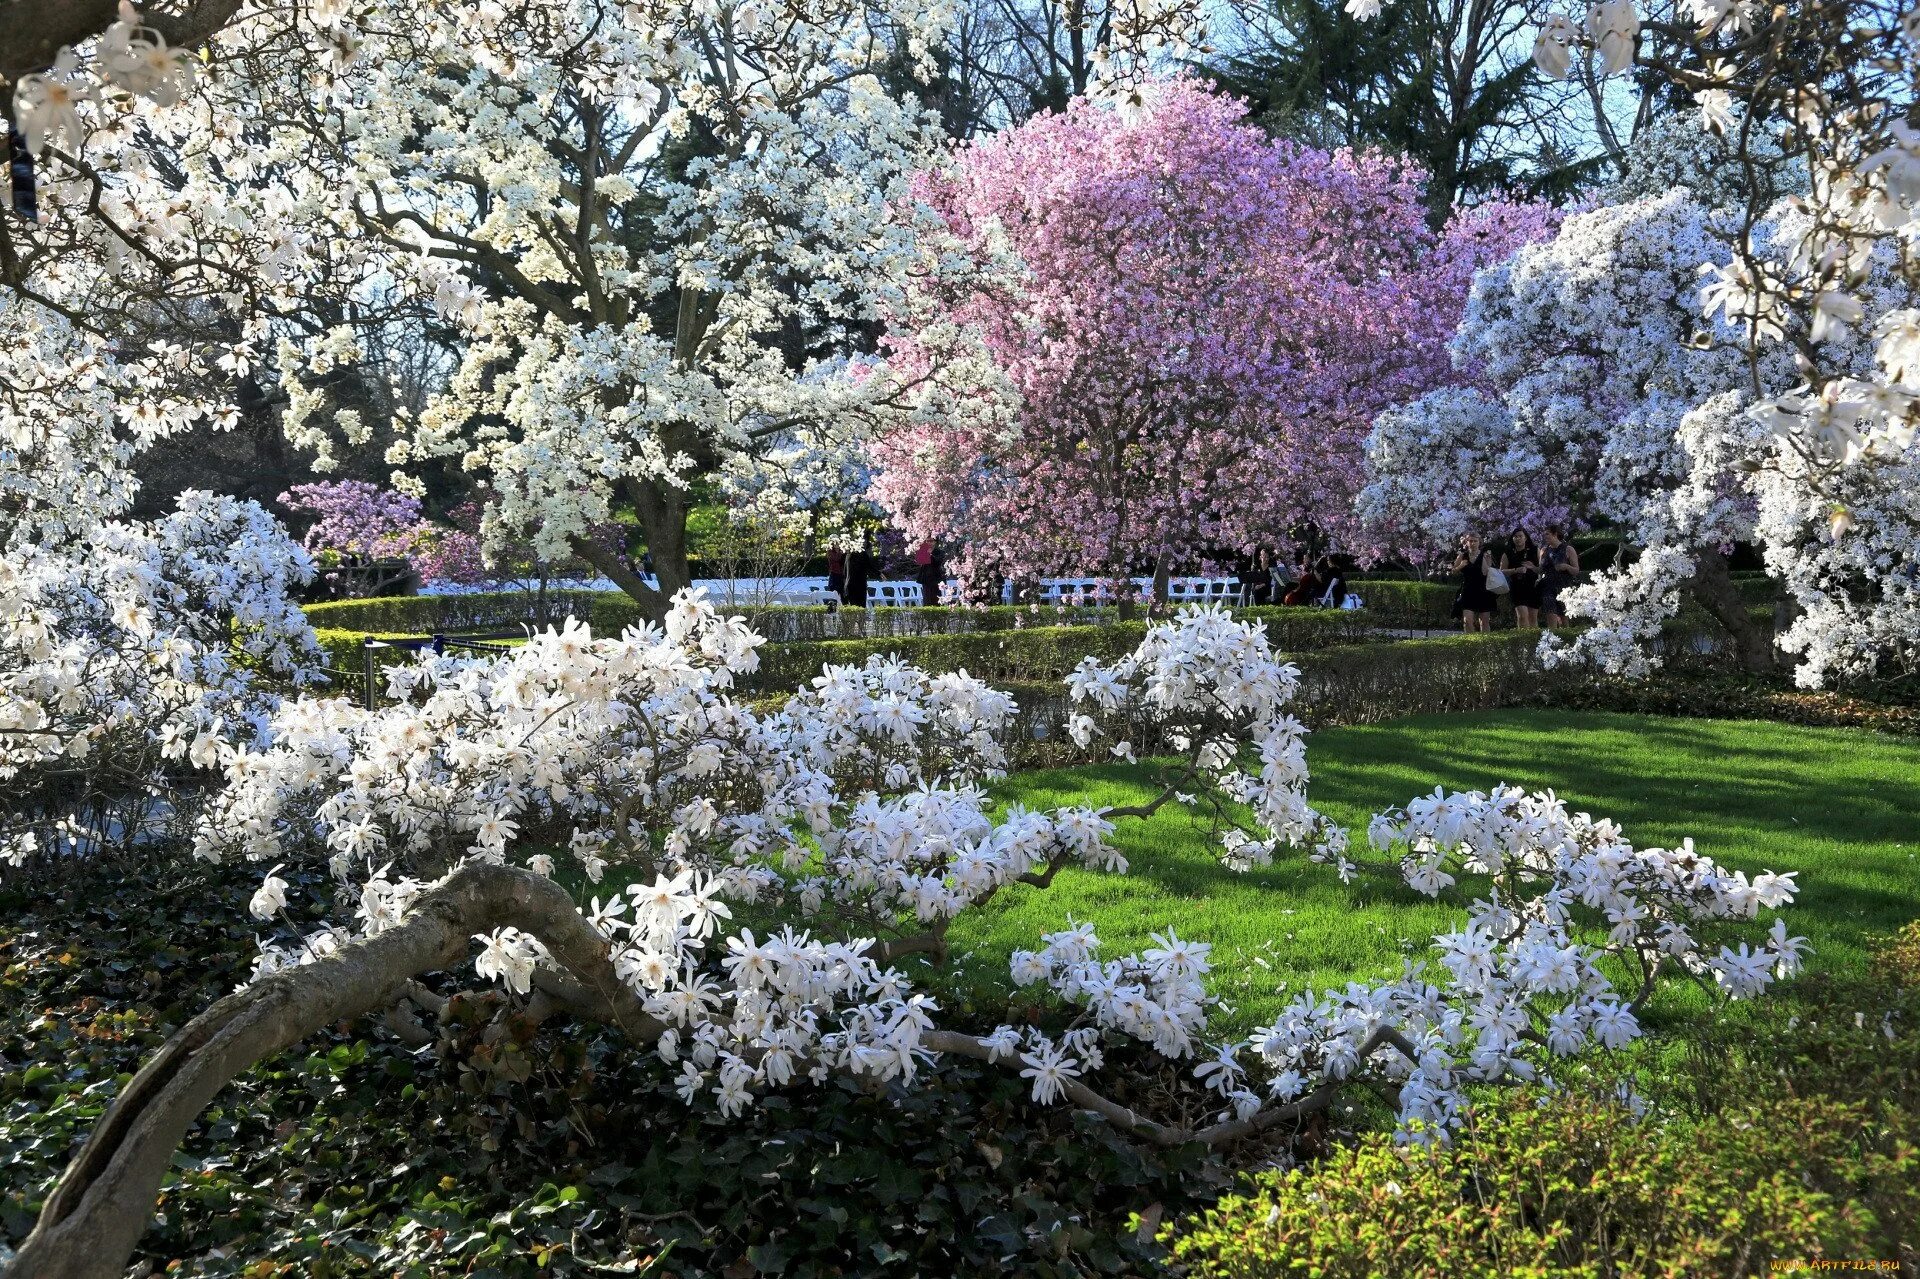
[[32, 32], [105, 1198]]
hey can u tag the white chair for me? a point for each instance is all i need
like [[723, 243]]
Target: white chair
[[893, 594]]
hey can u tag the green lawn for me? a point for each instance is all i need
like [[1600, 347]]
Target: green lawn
[[1836, 805]]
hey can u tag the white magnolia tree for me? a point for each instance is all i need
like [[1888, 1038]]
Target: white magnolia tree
[[1657, 427], [1701, 376], [134, 655], [655, 231]]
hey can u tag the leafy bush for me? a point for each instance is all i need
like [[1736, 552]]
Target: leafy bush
[[1717, 694], [1367, 683], [434, 614], [1401, 605], [1543, 1188], [1034, 653]]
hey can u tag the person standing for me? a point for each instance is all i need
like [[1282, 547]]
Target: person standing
[[1520, 561], [926, 571], [836, 575], [1559, 569], [1476, 598], [859, 565]]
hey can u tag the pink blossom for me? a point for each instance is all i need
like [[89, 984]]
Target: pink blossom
[[1206, 325]]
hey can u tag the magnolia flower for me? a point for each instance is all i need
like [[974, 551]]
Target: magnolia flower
[[136, 58], [1716, 110], [47, 106], [508, 955], [1898, 163], [271, 897], [1553, 46], [1744, 295], [1614, 27], [1364, 10], [1051, 1071], [1833, 312], [1899, 347]]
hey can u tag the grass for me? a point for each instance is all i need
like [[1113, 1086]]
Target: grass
[[1836, 805]]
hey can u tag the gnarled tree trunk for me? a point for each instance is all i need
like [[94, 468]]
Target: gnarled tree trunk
[[105, 1198], [1712, 586]]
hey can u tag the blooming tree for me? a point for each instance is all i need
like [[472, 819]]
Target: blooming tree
[[655, 227], [1201, 326], [1805, 445], [1650, 426], [356, 517], [134, 655], [854, 822]]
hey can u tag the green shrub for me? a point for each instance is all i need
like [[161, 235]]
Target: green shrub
[[1539, 1186], [437, 614], [1033, 653], [1789, 1130], [1409, 605], [1367, 683]]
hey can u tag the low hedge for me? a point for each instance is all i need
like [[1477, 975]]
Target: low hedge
[[1400, 605], [439, 614], [1346, 684], [1037, 652]]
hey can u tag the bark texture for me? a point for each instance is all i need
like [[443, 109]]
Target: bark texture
[[1713, 588], [32, 32]]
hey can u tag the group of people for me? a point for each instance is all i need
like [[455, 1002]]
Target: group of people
[[848, 572], [1308, 581], [1531, 575]]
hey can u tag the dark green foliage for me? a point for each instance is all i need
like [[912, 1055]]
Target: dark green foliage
[[549, 1151], [1449, 87]]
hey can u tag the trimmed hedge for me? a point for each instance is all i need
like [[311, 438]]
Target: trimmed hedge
[[1399, 605], [438, 614], [1037, 652], [1347, 684]]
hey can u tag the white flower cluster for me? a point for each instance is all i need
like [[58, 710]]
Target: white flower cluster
[[1565, 941], [850, 818], [1563, 945], [129, 55], [142, 650], [1213, 690]]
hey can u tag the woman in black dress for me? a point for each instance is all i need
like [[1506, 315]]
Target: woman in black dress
[[1476, 598], [1559, 569], [1520, 561], [859, 565]]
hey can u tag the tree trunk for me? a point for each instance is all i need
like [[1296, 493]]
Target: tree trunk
[[35, 30], [662, 508], [1712, 586], [105, 1198], [653, 604], [1162, 576]]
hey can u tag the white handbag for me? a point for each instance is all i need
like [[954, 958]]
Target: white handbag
[[1497, 581]]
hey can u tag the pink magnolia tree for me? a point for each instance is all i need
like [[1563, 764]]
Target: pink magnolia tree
[[1200, 325], [354, 517]]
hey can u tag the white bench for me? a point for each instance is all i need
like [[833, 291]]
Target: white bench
[[1180, 590]]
